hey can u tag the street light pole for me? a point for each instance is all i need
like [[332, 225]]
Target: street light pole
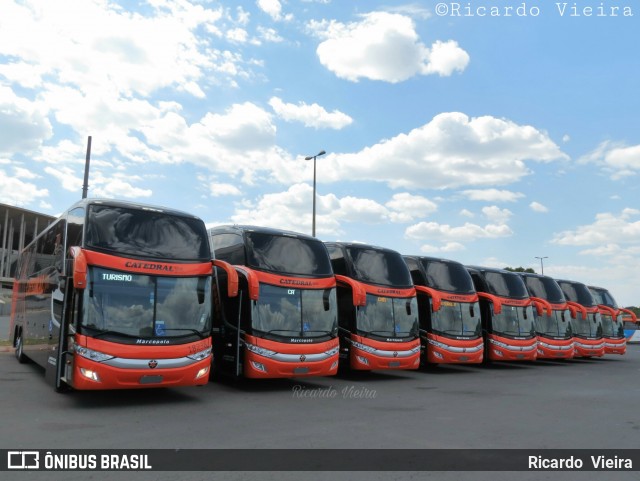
[[313, 219], [541, 264]]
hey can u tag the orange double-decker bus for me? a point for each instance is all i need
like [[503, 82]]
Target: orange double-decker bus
[[116, 295], [283, 323], [377, 308], [508, 322], [587, 326], [615, 341], [449, 311], [553, 324]]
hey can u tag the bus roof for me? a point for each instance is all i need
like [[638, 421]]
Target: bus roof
[[432, 259], [131, 205], [361, 245], [241, 228]]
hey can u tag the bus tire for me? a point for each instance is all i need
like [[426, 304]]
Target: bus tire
[[22, 359]]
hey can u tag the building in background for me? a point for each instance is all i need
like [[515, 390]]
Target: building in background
[[18, 227]]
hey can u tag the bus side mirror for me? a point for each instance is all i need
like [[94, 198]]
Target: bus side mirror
[[200, 290], [408, 307], [79, 267], [232, 277], [326, 303]]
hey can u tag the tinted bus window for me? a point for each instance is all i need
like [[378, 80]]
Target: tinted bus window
[[291, 255], [228, 247], [448, 276], [545, 288], [379, 267], [578, 293], [603, 297], [506, 284], [145, 233]]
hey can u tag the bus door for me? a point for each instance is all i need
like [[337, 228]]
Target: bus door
[[62, 324], [230, 307]]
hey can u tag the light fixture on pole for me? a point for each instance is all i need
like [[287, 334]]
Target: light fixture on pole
[[313, 219], [541, 264]]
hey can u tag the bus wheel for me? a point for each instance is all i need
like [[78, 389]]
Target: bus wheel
[[22, 359]]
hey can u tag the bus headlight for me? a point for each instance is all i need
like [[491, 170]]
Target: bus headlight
[[92, 355], [363, 360], [441, 345], [89, 374], [332, 352], [261, 351], [199, 356], [363, 347]]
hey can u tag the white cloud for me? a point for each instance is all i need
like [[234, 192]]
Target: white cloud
[[273, 8], [123, 52], [269, 35], [607, 227], [447, 247], [23, 124], [618, 160], [492, 195], [446, 58], [407, 207], [67, 177], [465, 233], [384, 46], [14, 191], [538, 207], [238, 35], [452, 150], [220, 189], [466, 213], [22, 173], [116, 186], [310, 115], [497, 215], [292, 210]]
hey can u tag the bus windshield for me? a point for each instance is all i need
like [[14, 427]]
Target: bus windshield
[[380, 267], [457, 319], [146, 233], [287, 254], [578, 293], [447, 276], [505, 284], [589, 327], [514, 321], [603, 296], [146, 306], [286, 312], [545, 288], [612, 327], [556, 325], [388, 317]]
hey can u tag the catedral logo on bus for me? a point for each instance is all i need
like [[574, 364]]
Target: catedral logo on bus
[[294, 282], [388, 291], [149, 266]]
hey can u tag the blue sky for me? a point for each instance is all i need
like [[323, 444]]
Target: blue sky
[[489, 139]]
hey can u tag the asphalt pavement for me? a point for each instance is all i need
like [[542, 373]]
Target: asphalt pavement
[[576, 404]]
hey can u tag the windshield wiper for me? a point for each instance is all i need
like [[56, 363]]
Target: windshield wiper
[[383, 333], [104, 332], [195, 331], [283, 330]]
